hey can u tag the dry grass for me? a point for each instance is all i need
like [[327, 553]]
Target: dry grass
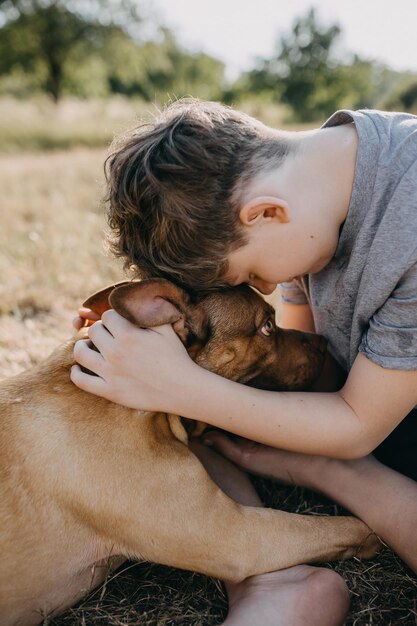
[[51, 257], [39, 124], [51, 251]]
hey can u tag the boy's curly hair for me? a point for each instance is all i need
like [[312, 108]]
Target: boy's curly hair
[[174, 188]]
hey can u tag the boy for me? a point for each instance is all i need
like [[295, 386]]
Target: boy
[[207, 196]]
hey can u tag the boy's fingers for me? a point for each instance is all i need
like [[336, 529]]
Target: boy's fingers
[[87, 357], [87, 382], [78, 323], [88, 314], [115, 323], [100, 336], [237, 450], [86, 317], [165, 329]]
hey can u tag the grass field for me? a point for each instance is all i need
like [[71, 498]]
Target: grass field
[[51, 258]]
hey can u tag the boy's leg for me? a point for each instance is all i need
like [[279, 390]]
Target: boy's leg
[[362, 486], [297, 596]]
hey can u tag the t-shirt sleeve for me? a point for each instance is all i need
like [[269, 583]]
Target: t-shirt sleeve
[[293, 293], [390, 339]]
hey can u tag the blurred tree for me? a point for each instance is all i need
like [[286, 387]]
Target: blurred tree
[[94, 47], [42, 35], [304, 74], [308, 70], [408, 97], [307, 76], [261, 81], [160, 67], [403, 93]]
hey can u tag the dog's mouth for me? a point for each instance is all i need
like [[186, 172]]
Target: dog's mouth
[[248, 377], [300, 377], [270, 384]]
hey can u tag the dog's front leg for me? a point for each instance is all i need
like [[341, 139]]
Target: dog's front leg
[[184, 520]]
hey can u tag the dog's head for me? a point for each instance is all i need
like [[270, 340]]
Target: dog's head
[[231, 332]]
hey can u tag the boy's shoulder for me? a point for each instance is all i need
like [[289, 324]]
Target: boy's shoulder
[[387, 147], [383, 119], [381, 132]]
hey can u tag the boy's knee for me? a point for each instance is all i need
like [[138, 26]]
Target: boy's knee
[[329, 587], [328, 579]]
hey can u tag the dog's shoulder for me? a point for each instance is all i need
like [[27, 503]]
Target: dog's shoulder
[[52, 370]]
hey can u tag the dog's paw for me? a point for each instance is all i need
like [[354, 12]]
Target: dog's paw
[[365, 544], [369, 547]]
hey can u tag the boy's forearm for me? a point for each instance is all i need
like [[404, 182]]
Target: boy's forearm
[[312, 423]]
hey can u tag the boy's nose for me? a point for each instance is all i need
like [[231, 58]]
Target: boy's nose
[[263, 286]]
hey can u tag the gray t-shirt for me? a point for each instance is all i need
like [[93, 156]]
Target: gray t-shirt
[[365, 299]]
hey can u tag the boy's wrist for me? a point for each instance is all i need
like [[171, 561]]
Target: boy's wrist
[[186, 398], [201, 395]]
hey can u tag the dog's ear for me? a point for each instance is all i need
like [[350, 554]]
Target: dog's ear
[[157, 301], [99, 301]]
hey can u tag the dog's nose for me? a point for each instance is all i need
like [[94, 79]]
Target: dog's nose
[[318, 342]]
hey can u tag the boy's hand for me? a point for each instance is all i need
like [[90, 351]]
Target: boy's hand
[[86, 317], [138, 368], [289, 468]]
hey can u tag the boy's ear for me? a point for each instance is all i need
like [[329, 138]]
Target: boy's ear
[[264, 208]]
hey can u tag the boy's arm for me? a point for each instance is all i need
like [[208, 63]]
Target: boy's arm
[[345, 424], [296, 316]]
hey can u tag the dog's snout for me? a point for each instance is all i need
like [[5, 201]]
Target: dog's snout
[[318, 342]]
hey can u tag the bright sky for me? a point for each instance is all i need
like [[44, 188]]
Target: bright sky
[[238, 31]]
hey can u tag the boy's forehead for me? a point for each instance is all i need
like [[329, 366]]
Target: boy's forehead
[[233, 279], [236, 266]]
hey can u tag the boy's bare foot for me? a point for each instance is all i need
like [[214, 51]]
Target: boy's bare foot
[[298, 596]]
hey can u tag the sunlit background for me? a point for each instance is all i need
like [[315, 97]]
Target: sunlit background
[[301, 58], [73, 73], [240, 32]]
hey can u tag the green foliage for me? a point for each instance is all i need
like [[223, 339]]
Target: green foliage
[[39, 38], [307, 77], [158, 69], [403, 95], [308, 73], [96, 48], [304, 73], [408, 97]]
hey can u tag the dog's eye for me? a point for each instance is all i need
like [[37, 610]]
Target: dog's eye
[[268, 328]]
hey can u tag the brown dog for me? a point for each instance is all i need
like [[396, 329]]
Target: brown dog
[[86, 483]]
